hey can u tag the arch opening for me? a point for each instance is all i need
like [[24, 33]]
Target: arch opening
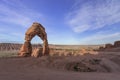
[[36, 42]]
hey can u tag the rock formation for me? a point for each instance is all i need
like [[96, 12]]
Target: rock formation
[[37, 52], [26, 49], [108, 46], [35, 29], [101, 48], [117, 44]]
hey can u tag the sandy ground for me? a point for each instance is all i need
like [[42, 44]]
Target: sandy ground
[[37, 69]]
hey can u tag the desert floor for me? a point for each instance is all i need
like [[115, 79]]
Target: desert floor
[[53, 68]]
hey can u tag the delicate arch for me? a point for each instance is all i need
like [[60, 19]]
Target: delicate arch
[[35, 29]]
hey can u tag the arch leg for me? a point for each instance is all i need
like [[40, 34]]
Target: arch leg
[[26, 49], [45, 48]]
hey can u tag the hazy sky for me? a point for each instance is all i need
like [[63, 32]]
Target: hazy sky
[[66, 21]]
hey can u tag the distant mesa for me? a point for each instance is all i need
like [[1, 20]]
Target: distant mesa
[[110, 47], [26, 49]]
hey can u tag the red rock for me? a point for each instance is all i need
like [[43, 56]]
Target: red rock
[[101, 48], [117, 44], [37, 52], [35, 29], [108, 46], [26, 49]]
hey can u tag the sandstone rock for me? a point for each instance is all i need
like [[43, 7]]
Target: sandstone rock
[[26, 49], [108, 46], [101, 48], [117, 44], [39, 30], [83, 51], [37, 52]]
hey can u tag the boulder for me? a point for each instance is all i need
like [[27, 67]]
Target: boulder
[[37, 52]]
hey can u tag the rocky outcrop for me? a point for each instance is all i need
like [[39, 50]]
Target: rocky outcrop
[[108, 46], [117, 44], [35, 29], [37, 52], [101, 48]]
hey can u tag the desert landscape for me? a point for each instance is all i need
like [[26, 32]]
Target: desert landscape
[[46, 61], [67, 62], [59, 39]]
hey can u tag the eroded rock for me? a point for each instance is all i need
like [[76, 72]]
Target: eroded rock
[[35, 29], [117, 44], [108, 46], [26, 49], [37, 52]]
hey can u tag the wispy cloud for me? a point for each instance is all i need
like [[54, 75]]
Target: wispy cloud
[[13, 14], [11, 37], [93, 14], [17, 14], [101, 38]]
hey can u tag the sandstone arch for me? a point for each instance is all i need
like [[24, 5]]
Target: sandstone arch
[[35, 29]]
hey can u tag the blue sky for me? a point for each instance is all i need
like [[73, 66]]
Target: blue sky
[[66, 21]]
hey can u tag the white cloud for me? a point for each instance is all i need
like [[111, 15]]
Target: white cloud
[[15, 12], [93, 15]]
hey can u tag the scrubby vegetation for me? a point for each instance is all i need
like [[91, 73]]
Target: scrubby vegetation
[[11, 53]]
